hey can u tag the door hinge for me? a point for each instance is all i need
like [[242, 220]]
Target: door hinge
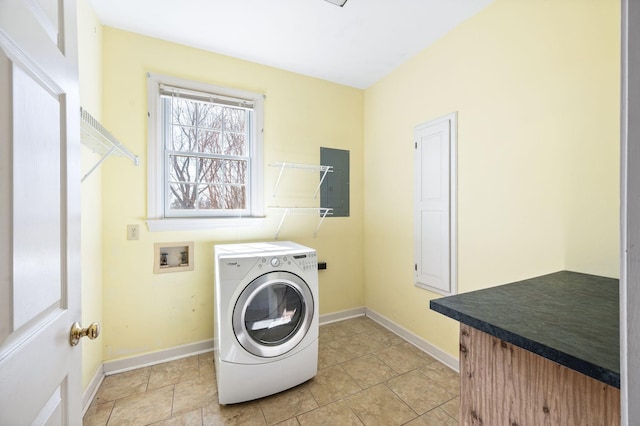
[[416, 145], [415, 267]]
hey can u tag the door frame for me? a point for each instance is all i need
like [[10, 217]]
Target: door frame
[[630, 211]]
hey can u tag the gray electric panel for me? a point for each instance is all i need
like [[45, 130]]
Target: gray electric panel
[[334, 191]]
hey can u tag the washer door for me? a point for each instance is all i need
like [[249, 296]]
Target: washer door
[[273, 314]]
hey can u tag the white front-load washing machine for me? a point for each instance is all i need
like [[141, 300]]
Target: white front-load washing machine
[[266, 318]]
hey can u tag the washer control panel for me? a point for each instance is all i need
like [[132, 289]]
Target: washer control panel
[[306, 261]]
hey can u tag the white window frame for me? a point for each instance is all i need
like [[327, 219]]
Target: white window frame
[[156, 178]]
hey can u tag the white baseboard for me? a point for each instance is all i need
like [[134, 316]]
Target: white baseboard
[[92, 388], [131, 363], [152, 358], [342, 315], [415, 340]]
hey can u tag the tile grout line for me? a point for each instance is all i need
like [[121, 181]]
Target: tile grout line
[[173, 397], [346, 400], [110, 413], [403, 401], [339, 365]]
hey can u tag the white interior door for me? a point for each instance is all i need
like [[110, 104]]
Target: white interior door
[[434, 205], [40, 379]]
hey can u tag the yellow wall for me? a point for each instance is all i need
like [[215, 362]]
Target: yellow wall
[[144, 312], [592, 216], [89, 56], [536, 87]]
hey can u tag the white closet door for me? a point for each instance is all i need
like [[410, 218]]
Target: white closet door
[[433, 204]]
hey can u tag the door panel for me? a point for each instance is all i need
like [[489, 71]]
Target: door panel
[[39, 213], [51, 413], [432, 206], [435, 205], [37, 258]]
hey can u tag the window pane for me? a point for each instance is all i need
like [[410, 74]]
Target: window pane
[[211, 170], [211, 117], [209, 142], [183, 112], [211, 197], [221, 197], [182, 168], [206, 197], [236, 197], [182, 196], [182, 138], [235, 119], [236, 172], [235, 144]]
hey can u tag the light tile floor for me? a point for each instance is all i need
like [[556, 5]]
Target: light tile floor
[[367, 375]]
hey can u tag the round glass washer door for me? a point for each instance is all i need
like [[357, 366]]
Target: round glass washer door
[[273, 314]]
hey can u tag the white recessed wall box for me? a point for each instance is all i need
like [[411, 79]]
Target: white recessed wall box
[[172, 257]]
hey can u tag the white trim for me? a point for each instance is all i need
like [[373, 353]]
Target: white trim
[[624, 210], [629, 212], [139, 361], [342, 315], [154, 153], [415, 340], [92, 389], [158, 357], [190, 224], [157, 219]]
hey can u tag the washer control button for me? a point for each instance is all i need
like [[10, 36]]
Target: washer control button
[[275, 262]]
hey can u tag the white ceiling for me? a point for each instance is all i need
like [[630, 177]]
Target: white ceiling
[[354, 45]]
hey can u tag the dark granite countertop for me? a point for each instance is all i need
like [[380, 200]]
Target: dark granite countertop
[[567, 317]]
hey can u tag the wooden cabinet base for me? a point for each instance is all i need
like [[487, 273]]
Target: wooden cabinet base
[[502, 384]]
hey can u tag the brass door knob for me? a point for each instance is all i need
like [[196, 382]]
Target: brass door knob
[[78, 332]]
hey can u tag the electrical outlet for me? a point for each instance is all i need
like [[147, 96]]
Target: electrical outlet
[[133, 232]]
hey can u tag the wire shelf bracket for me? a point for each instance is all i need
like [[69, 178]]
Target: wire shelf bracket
[[324, 212], [308, 167], [96, 137]]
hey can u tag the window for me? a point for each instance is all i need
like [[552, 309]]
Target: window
[[205, 155]]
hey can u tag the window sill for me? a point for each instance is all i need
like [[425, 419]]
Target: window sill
[[192, 224]]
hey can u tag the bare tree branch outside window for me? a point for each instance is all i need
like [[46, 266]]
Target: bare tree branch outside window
[[207, 160]]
